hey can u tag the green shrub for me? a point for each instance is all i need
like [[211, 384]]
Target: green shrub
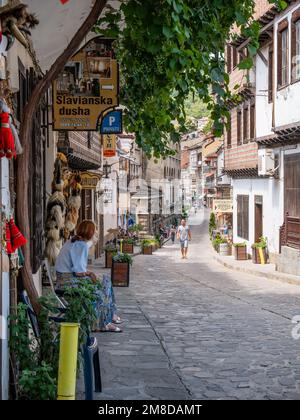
[[128, 241], [110, 248], [263, 243], [123, 258], [239, 244], [212, 224], [38, 383]]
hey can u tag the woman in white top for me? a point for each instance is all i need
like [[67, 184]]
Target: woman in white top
[[71, 266]]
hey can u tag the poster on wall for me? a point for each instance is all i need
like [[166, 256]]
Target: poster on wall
[[87, 87], [109, 145]]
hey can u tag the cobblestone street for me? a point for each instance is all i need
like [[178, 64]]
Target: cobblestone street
[[196, 330]]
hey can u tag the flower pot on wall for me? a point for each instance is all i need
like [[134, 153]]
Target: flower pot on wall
[[120, 274], [240, 252]]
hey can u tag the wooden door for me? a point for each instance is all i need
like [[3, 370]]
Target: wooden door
[[292, 185], [258, 207]]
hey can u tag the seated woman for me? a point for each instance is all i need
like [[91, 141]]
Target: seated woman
[[71, 266]]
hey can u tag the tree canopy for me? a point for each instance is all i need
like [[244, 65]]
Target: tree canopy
[[168, 49]]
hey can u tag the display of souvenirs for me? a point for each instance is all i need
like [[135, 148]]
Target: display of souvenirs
[[10, 144], [82, 75]]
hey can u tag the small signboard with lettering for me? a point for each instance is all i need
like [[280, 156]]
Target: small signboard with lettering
[[86, 88], [109, 145], [223, 206]]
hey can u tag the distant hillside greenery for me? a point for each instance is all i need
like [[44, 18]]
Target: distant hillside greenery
[[196, 108]]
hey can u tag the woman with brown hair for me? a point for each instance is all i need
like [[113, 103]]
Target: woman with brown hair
[[71, 266]]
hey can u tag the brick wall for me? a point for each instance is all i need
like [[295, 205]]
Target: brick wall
[[243, 156]]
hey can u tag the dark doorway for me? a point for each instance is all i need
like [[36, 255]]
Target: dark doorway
[[258, 208], [292, 185]]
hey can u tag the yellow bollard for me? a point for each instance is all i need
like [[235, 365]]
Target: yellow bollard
[[261, 256], [67, 361], [121, 246]]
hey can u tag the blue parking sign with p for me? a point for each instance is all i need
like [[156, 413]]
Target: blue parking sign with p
[[112, 123]]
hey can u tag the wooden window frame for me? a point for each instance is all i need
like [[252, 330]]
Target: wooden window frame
[[252, 121], [245, 124], [239, 127], [229, 133], [234, 58], [229, 58], [270, 74], [243, 216], [294, 42], [283, 27]]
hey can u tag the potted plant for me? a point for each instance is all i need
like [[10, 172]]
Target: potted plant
[[156, 243], [259, 251], [221, 245], [128, 246], [147, 246], [240, 251], [120, 269], [212, 224], [110, 251]]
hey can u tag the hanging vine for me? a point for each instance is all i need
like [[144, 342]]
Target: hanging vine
[[168, 49]]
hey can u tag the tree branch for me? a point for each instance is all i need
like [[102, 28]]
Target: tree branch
[[25, 134]]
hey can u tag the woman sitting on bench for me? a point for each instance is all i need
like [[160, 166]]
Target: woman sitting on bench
[[71, 266]]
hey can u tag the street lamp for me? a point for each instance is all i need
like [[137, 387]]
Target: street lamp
[[107, 169]]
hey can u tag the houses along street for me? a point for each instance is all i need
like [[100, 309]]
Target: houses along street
[[196, 330]]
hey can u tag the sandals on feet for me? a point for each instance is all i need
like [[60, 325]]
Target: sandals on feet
[[111, 328], [118, 320]]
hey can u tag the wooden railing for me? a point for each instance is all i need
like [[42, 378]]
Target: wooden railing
[[290, 232]]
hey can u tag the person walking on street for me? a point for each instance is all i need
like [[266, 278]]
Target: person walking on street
[[173, 233], [184, 235]]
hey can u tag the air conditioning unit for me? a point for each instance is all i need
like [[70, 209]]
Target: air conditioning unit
[[266, 162]]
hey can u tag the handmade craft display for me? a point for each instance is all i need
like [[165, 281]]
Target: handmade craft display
[[10, 144]]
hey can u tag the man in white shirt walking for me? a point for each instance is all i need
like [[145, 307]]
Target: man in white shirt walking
[[184, 235]]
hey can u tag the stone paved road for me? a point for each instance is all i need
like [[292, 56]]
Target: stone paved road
[[195, 330]]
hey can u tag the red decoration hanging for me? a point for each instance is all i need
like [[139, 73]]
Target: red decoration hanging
[[64, 1], [7, 143], [17, 239], [8, 239]]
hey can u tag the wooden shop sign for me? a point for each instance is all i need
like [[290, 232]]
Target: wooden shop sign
[[109, 145], [87, 87], [223, 206], [89, 180]]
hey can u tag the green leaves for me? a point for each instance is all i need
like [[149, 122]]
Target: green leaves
[[168, 49]]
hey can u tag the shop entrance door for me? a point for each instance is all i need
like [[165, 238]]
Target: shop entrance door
[[258, 206]]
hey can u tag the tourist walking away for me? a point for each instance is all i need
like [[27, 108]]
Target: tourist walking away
[[184, 235], [71, 268], [173, 233]]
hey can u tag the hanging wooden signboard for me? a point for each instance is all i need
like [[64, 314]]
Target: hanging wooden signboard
[[87, 87], [109, 145]]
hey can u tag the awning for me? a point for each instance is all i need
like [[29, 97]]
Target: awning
[[77, 163], [59, 22]]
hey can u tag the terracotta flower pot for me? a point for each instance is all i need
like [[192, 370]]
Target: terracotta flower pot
[[240, 252], [120, 274]]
